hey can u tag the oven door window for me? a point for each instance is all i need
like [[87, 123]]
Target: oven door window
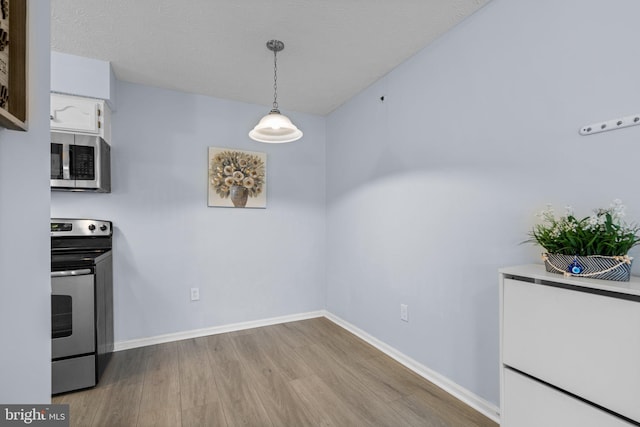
[[56, 161], [61, 316], [73, 314], [82, 162]]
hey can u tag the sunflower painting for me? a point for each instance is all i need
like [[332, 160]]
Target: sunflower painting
[[237, 178]]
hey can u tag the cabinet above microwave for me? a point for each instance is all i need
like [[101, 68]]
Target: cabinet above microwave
[[80, 163], [76, 114]]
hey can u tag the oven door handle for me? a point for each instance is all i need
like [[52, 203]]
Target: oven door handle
[[67, 273]]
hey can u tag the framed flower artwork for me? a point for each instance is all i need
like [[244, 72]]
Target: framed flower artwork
[[237, 178]]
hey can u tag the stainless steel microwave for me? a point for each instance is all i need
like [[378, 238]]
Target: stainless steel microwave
[[80, 163]]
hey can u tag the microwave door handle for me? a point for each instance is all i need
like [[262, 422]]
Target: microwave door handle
[[66, 170]]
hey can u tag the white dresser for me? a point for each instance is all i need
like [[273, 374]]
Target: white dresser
[[569, 350]]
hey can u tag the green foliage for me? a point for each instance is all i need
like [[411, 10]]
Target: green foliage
[[604, 233]]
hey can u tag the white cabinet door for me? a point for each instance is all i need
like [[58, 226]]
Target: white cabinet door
[[76, 114], [586, 344], [529, 403]]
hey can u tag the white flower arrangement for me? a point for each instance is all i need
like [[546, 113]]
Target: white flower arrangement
[[603, 233], [236, 168]]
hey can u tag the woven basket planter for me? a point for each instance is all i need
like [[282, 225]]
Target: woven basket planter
[[593, 267]]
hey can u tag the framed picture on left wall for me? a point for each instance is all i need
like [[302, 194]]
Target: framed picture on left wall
[[237, 178], [13, 64]]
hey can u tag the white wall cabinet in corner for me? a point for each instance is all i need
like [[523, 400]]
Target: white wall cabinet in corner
[[80, 115], [569, 350]]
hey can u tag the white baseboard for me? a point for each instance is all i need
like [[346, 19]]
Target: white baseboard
[[481, 405], [476, 402], [195, 333]]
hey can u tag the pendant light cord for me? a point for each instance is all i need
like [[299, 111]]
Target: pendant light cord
[[275, 80]]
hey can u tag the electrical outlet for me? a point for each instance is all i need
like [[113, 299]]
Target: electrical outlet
[[404, 312], [195, 294]]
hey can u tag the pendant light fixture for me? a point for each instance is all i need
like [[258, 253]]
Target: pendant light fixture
[[275, 127]]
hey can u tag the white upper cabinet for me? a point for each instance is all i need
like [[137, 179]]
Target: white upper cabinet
[[80, 115]]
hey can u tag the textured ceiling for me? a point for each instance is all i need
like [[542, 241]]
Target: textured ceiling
[[333, 48]]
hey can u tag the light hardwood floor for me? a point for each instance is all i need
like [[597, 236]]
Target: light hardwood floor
[[306, 373]]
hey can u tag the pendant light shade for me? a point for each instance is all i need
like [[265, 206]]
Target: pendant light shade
[[275, 127]]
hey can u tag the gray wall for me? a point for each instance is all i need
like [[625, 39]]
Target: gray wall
[[427, 193], [434, 189], [249, 264], [25, 303]]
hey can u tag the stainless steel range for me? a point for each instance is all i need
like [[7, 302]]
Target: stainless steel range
[[81, 302]]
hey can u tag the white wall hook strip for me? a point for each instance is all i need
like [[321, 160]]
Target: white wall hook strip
[[612, 124]]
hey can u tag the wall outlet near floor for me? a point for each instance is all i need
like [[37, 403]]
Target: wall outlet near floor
[[404, 312], [195, 294]]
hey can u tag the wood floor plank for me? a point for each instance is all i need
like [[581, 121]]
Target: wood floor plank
[[371, 375], [341, 341], [349, 346], [392, 373], [290, 364], [347, 387], [157, 414], [280, 401], [125, 367], [376, 381], [220, 348], [196, 375], [160, 403], [120, 405], [82, 408], [369, 370], [313, 330], [440, 409], [388, 379], [412, 415], [210, 415], [290, 336], [239, 402], [162, 363], [322, 406]]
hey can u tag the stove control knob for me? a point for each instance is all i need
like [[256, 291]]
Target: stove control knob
[[103, 227], [92, 227]]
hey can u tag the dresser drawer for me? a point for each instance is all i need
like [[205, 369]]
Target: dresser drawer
[[586, 344], [530, 403]]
